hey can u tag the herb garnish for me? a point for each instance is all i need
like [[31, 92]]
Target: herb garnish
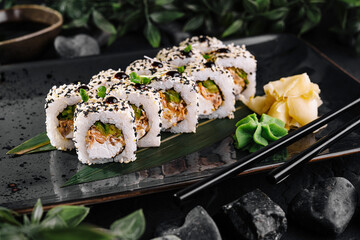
[[101, 91], [137, 79], [84, 95], [188, 48], [181, 69], [206, 56]]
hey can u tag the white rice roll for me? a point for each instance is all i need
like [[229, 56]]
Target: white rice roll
[[179, 56], [60, 132], [149, 100], [118, 113], [204, 71], [186, 89], [105, 78], [148, 67], [202, 43], [165, 78], [237, 57]]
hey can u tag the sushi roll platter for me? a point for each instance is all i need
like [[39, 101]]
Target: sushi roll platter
[[106, 119]]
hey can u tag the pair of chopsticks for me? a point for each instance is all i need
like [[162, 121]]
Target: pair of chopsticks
[[284, 170]]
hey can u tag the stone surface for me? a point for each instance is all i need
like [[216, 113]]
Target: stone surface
[[198, 225], [77, 46], [256, 216], [326, 207], [168, 237]]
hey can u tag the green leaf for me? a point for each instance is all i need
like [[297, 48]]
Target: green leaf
[[31, 144], [233, 28], [71, 215], [166, 16], [194, 23], [188, 48], [351, 3], [54, 221], [84, 95], [250, 6], [276, 14], [152, 34], [101, 91], [131, 227], [7, 216], [75, 233], [163, 2], [314, 15], [279, 3], [181, 69], [306, 26], [112, 39], [26, 220], [37, 212], [44, 148], [77, 23], [175, 146], [263, 5], [278, 26], [102, 23]]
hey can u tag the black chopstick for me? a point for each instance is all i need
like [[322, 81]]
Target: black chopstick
[[282, 172], [253, 158]]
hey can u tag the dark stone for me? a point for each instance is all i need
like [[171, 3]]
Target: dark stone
[[325, 207], [77, 46], [256, 216], [198, 225]]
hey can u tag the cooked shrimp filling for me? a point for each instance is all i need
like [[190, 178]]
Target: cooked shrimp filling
[[174, 107], [240, 77], [210, 92], [141, 121], [66, 121], [104, 140]]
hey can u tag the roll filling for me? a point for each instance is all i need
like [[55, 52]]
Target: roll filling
[[141, 121], [174, 106]]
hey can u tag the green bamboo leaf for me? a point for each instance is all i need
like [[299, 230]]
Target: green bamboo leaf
[[131, 227], [166, 16], [194, 23], [37, 212], [102, 23], [251, 6], [31, 144], [233, 28], [276, 14], [74, 233], [71, 215], [207, 133], [7, 216], [152, 34], [44, 148]]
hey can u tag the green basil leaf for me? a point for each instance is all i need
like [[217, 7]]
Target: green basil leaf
[[7, 216], [250, 6], [135, 78], [71, 215], [101, 91], [129, 227], [102, 23], [166, 16], [163, 2], [75, 233], [233, 28], [279, 3], [276, 14], [194, 23], [152, 34], [263, 5], [314, 15], [37, 212], [306, 26], [53, 222]]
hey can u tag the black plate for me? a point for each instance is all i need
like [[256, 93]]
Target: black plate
[[23, 89]]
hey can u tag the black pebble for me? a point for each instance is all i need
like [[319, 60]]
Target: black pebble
[[326, 207]]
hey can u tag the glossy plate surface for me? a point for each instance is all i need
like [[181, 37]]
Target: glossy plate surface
[[23, 89]]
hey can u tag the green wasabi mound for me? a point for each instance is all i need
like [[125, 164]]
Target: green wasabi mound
[[252, 134]]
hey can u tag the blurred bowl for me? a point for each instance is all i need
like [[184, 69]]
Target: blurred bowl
[[31, 44]]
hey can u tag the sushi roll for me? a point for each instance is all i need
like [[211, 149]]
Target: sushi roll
[[242, 66], [179, 56], [60, 107], [204, 44], [105, 131], [214, 87], [105, 78], [178, 96], [145, 102], [149, 67]]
